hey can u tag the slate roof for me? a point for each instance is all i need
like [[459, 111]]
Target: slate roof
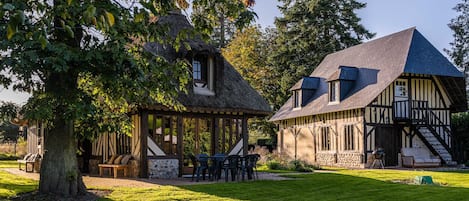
[[379, 62], [232, 92], [306, 83]]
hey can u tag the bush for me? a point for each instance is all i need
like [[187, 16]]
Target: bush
[[276, 165], [8, 157], [301, 166]]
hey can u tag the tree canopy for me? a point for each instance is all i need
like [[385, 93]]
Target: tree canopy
[[307, 32], [229, 16], [85, 65], [459, 51]]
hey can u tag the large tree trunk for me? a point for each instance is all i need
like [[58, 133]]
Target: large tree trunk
[[59, 170]]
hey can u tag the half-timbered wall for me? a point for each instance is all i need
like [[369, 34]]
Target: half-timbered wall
[[35, 138], [109, 144], [420, 88], [320, 139]]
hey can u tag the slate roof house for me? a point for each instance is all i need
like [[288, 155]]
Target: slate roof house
[[218, 106], [394, 92]]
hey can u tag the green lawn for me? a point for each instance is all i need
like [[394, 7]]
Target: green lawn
[[339, 185], [11, 185]]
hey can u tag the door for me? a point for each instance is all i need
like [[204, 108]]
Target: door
[[388, 139], [401, 99]]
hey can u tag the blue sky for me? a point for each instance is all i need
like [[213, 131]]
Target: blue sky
[[383, 17], [380, 16]]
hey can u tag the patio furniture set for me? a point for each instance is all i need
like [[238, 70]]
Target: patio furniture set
[[232, 165]]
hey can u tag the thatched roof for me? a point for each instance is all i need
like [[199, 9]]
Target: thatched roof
[[380, 62], [232, 93]]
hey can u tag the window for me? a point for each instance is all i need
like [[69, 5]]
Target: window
[[349, 137], [401, 88], [203, 75], [196, 66], [334, 91], [296, 99], [325, 139]]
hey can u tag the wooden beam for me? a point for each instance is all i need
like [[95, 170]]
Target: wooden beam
[[180, 134], [143, 144], [245, 133], [223, 137], [197, 138]]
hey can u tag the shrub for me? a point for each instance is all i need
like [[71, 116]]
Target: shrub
[[276, 165], [8, 157], [301, 166]]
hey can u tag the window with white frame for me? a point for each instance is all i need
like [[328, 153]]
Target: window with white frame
[[334, 91], [203, 75], [296, 99], [349, 140], [325, 139]]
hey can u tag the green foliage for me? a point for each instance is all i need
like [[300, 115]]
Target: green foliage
[[247, 53], [301, 166], [84, 60], [228, 15], [8, 157], [276, 165], [459, 51], [307, 32], [460, 131]]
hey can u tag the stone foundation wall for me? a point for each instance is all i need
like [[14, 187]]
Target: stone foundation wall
[[347, 160], [350, 160], [163, 168], [326, 159]]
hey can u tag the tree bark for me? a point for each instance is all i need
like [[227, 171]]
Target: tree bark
[[59, 169]]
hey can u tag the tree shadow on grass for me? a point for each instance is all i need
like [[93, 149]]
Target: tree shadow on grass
[[329, 186]]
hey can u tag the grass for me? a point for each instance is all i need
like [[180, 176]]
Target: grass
[[8, 164], [338, 185], [12, 185]]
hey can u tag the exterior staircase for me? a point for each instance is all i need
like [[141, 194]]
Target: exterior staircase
[[437, 145], [432, 131]]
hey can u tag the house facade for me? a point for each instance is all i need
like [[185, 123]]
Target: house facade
[[394, 92], [218, 105]]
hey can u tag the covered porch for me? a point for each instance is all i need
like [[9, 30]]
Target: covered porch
[[162, 141]]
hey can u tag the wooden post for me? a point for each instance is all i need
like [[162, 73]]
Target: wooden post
[[230, 131], [223, 137], [180, 127], [197, 138], [365, 138], [215, 132], [245, 133], [143, 144]]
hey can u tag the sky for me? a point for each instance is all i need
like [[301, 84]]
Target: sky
[[383, 17]]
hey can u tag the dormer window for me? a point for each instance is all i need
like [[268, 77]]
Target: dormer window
[[202, 73], [334, 91], [341, 83], [303, 91], [296, 99]]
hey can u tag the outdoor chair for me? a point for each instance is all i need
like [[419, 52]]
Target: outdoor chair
[[217, 165], [247, 165], [194, 164], [201, 166], [231, 164]]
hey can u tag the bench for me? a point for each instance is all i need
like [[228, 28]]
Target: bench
[[114, 169], [418, 157], [114, 164], [29, 160]]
